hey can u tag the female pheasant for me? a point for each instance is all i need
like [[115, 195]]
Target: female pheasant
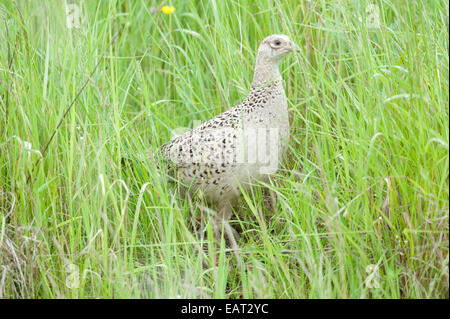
[[224, 154]]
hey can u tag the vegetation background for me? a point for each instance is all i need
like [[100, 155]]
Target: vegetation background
[[359, 210]]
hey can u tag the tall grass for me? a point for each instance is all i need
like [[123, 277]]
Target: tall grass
[[359, 210]]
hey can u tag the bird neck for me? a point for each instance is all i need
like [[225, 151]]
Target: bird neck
[[266, 71]]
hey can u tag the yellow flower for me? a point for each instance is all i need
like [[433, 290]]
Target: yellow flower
[[168, 9]]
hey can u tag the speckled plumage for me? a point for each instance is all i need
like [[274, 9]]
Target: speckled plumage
[[238, 145]]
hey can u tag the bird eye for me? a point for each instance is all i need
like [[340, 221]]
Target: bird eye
[[277, 42]]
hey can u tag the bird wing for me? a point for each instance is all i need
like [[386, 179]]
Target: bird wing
[[212, 143]]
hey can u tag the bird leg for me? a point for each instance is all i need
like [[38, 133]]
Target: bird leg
[[222, 227], [231, 234], [225, 213]]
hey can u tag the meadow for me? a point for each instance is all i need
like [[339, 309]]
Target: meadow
[[359, 209]]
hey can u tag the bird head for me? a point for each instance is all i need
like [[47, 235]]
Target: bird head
[[275, 47]]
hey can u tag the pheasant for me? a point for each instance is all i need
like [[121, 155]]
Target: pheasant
[[223, 155]]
